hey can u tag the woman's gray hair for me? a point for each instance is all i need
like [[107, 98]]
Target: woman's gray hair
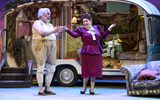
[[42, 11]]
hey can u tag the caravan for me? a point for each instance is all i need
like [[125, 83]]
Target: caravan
[[135, 40]]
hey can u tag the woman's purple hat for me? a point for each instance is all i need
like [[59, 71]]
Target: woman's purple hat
[[87, 16]]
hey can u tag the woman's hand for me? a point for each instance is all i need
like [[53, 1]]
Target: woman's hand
[[62, 28], [112, 26], [65, 28], [59, 29]]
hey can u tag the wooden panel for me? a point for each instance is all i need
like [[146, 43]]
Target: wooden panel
[[131, 62]]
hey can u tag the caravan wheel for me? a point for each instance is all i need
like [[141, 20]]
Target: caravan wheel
[[67, 76]]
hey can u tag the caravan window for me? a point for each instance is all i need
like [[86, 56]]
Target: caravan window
[[154, 29]]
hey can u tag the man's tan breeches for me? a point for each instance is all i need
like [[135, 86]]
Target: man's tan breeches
[[45, 55]]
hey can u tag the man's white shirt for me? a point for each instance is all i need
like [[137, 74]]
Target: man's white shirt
[[40, 26]]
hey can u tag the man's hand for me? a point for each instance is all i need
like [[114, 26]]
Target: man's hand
[[55, 30], [59, 29]]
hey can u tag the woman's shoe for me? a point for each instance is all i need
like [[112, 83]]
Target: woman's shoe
[[41, 94], [49, 92], [91, 93], [83, 92]]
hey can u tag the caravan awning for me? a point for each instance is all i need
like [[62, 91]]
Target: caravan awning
[[152, 7]]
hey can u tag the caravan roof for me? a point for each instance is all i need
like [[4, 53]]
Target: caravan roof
[[152, 7], [155, 3]]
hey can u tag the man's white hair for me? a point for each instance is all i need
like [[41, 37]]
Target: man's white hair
[[42, 11]]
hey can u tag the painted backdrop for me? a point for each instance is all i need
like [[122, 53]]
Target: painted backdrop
[[2, 12]]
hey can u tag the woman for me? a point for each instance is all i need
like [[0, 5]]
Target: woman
[[91, 51]]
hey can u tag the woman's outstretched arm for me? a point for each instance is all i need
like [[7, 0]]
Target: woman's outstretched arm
[[105, 34], [75, 33]]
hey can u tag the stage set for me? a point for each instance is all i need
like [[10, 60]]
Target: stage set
[[133, 41]]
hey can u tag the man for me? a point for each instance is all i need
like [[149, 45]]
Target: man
[[44, 49]]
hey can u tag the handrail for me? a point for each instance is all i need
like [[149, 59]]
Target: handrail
[[2, 34]]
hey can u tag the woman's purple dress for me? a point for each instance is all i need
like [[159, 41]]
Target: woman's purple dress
[[91, 52]]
